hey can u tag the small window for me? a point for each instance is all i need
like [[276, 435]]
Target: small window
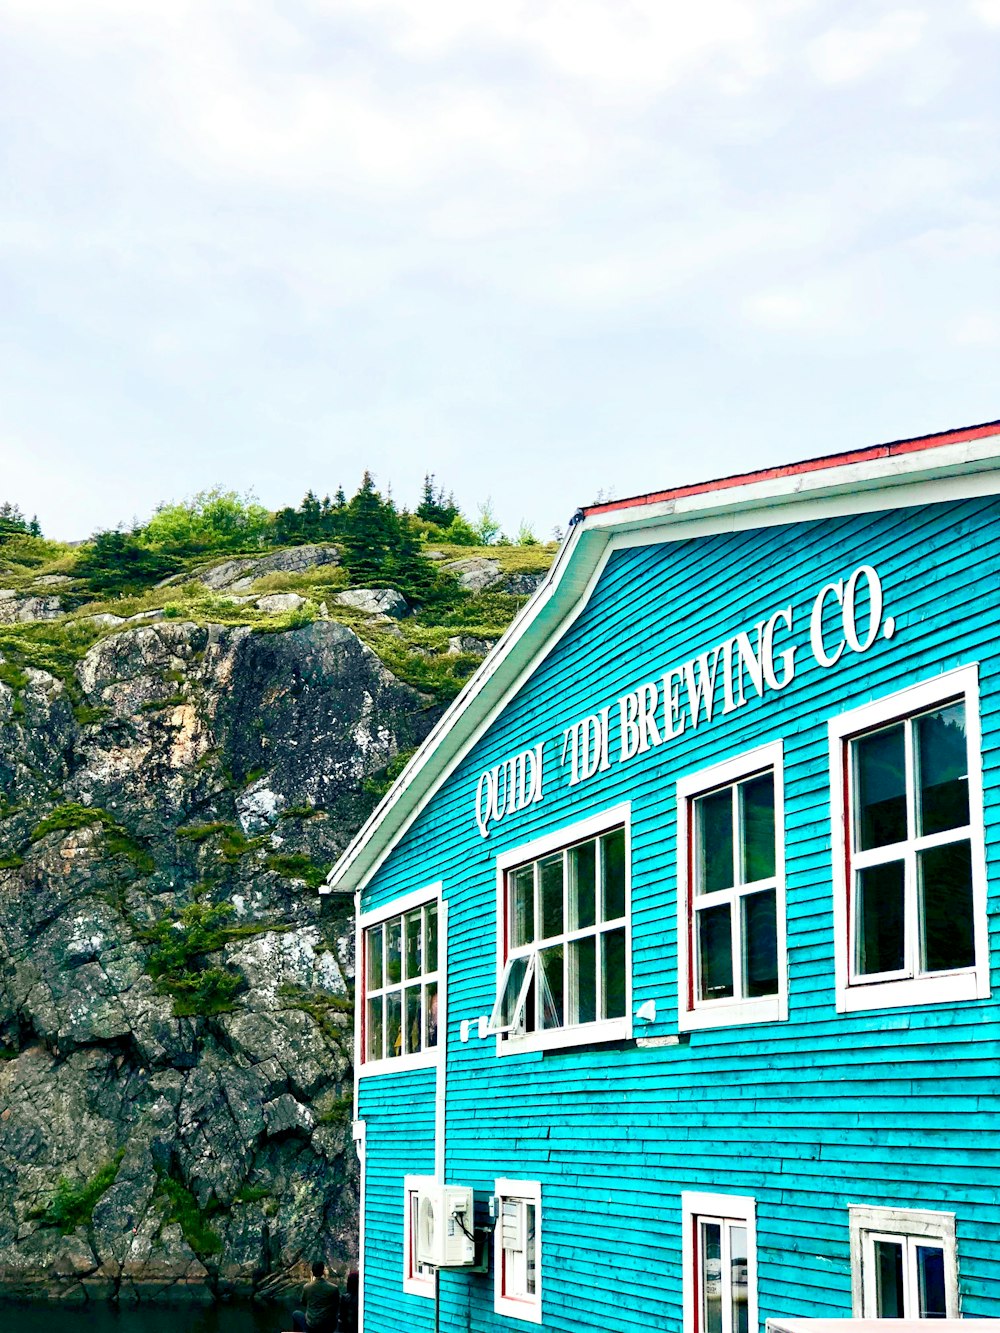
[[903, 1264], [912, 909], [418, 1278], [720, 1270], [517, 1257], [400, 981], [732, 888], [565, 940]]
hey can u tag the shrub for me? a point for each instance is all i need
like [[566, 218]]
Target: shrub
[[72, 1205], [180, 1206]]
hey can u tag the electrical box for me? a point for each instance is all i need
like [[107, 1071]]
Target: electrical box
[[445, 1231]]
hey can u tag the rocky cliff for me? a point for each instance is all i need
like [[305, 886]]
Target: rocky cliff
[[175, 1008]]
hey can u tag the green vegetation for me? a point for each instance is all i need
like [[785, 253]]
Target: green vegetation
[[377, 784], [178, 961], [251, 1194], [298, 867], [13, 523], [66, 818], [379, 545], [11, 862], [180, 1206], [73, 1205]]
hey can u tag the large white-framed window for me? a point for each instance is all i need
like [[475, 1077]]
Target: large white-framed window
[[904, 1263], [418, 1278], [401, 950], [517, 1250], [720, 1263], [731, 892], [909, 866], [564, 937]]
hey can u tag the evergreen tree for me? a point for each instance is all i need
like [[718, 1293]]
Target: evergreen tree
[[434, 507], [117, 562], [371, 534]]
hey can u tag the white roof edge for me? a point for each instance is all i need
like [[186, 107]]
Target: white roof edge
[[566, 580]]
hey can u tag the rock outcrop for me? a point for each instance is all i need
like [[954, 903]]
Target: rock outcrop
[[175, 1003]]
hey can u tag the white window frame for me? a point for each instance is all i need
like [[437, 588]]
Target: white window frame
[[973, 983], [528, 1308], [869, 1223], [428, 1058], [696, 1208], [608, 1029], [415, 1283], [694, 1014]]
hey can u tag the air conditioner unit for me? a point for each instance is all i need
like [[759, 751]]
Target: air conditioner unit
[[445, 1234]]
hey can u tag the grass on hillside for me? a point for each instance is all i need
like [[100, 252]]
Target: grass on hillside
[[415, 649]]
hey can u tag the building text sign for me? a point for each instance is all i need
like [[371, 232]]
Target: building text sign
[[719, 681]]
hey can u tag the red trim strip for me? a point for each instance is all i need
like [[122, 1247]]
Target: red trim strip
[[890, 450]]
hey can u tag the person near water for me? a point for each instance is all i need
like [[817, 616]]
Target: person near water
[[321, 1302]]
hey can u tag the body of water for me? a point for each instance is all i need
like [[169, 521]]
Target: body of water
[[100, 1317]]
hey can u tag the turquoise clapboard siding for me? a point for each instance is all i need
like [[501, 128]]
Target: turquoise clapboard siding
[[896, 1107]]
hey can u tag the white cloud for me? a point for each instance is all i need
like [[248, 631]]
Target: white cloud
[[843, 55], [988, 11], [977, 329]]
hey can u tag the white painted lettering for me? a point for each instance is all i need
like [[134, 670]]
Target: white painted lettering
[[787, 657], [701, 685], [673, 718], [816, 624], [874, 609], [750, 660]]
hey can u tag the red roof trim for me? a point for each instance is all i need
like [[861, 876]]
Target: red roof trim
[[810, 465]]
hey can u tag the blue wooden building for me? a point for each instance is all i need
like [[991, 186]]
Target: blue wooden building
[[677, 941]]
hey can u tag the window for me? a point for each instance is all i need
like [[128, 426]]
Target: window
[[517, 1260], [564, 937], [720, 1263], [903, 1264], [911, 900], [731, 888], [418, 1279], [401, 985]]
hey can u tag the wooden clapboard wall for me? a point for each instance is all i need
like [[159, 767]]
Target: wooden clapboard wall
[[896, 1107]]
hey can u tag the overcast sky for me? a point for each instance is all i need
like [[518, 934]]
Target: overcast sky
[[542, 248]]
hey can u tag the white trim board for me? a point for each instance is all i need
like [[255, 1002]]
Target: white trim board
[[928, 476]]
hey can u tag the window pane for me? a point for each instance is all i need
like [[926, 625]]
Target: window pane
[[393, 941], [738, 1278], [943, 768], [760, 944], [715, 841], [511, 991], [757, 798], [613, 973], [550, 876], [530, 1262], [582, 885], [414, 943], [375, 958], [550, 971], [930, 1282], [373, 1029], [946, 935], [431, 1012], [888, 1279], [393, 1025], [582, 1006], [881, 772], [522, 906], [711, 1277], [613, 876], [715, 952], [414, 1020], [880, 919], [431, 937]]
